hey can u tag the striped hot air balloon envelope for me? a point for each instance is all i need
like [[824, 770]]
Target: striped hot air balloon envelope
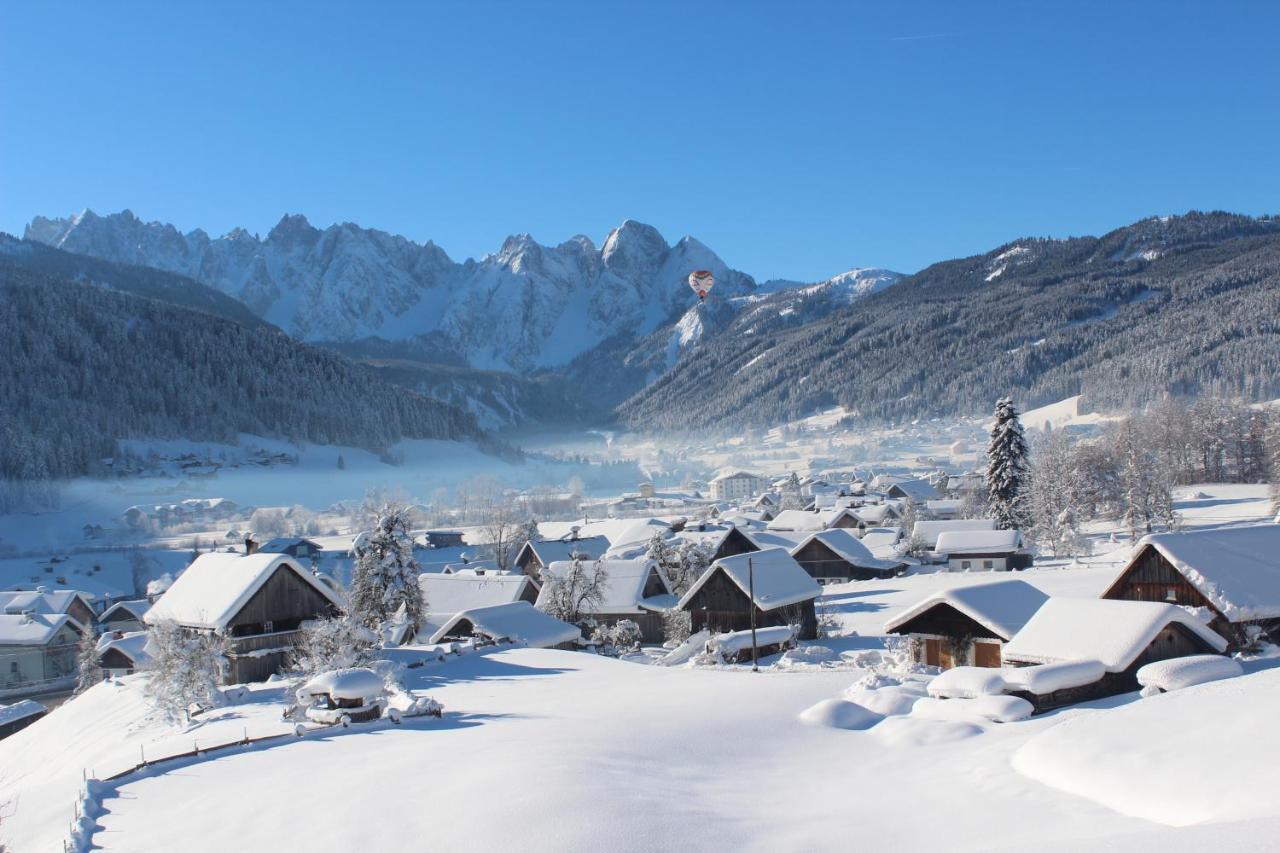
[[701, 282]]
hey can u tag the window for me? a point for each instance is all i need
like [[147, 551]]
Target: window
[[965, 564], [268, 627], [1171, 594], [987, 564]]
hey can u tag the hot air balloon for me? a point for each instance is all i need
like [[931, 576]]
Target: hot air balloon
[[701, 282]]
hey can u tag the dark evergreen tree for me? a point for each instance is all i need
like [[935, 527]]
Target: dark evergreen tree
[[1008, 468]]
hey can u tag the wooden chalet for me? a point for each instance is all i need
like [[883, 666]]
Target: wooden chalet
[[257, 601], [719, 601], [836, 556], [1231, 572], [967, 625], [634, 590], [725, 540], [123, 616], [533, 556], [121, 653]]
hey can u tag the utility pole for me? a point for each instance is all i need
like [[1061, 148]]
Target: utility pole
[[751, 586]]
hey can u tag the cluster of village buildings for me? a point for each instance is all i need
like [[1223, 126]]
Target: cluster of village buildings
[[770, 547]]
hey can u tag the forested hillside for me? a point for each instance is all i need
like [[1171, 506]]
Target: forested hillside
[[82, 366], [1185, 305]]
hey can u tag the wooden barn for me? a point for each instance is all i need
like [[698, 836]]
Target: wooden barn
[[967, 625], [724, 540], [534, 556], [123, 616], [784, 594], [836, 556], [121, 653], [446, 595], [259, 601], [1118, 637], [1232, 572], [633, 589], [983, 550]]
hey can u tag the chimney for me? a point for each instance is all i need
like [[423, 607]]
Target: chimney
[[250, 546]]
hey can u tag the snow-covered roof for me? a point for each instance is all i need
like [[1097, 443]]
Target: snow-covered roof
[[848, 548], [41, 600], [552, 550], [132, 645], [34, 630], [1177, 673], [927, 532], [916, 490], [1236, 568], [738, 641], [978, 541], [786, 539], [357, 683], [1003, 606], [449, 594], [211, 591], [734, 474], [1113, 632], [281, 543], [881, 540], [624, 584], [20, 711], [796, 519], [778, 579], [519, 621], [1051, 677], [137, 609], [874, 513]]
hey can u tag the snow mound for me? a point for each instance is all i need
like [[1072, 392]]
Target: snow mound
[[1137, 759], [967, 682], [839, 714], [1177, 673], [997, 709], [917, 731], [806, 656], [1049, 677], [886, 699]]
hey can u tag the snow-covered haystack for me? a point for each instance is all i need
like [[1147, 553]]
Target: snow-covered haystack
[[1177, 673], [839, 714], [1191, 756], [967, 682]]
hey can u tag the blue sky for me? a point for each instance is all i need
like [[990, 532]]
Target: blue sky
[[796, 139]]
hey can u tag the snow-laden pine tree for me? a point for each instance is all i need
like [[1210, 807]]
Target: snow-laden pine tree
[[88, 671], [1146, 487], [385, 577], [185, 669], [1054, 504], [1007, 468]]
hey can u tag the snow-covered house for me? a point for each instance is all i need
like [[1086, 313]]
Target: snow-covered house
[[926, 533], [534, 556], [876, 515], [258, 601], [941, 508], [37, 649], [633, 589], [722, 540], [840, 518], [1231, 573], [967, 625], [19, 715], [882, 542], [447, 594], [836, 556], [983, 550], [302, 550], [913, 491], [722, 599], [122, 653], [1120, 636], [123, 616], [74, 603], [796, 520], [737, 486], [517, 622]]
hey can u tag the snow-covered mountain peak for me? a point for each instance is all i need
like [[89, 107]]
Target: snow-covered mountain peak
[[632, 246], [291, 228]]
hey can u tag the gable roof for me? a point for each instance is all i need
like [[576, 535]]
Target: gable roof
[[217, 585], [624, 584], [927, 532], [518, 620], [875, 514], [132, 645], [1113, 632], [447, 594], [20, 711], [847, 547], [1236, 568], [41, 600], [1002, 606], [549, 551], [978, 541], [38, 629], [918, 491], [137, 609], [779, 580], [734, 474], [796, 519]]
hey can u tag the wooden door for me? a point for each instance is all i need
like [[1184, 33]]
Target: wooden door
[[986, 654], [947, 657], [933, 652]]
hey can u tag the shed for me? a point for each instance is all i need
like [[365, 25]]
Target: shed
[[967, 625], [122, 653], [926, 533], [518, 622], [1231, 572], [445, 595], [720, 600], [836, 556], [983, 550]]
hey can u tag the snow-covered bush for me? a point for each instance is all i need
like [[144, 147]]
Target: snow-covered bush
[[338, 643], [185, 670], [87, 660], [677, 625], [619, 638]]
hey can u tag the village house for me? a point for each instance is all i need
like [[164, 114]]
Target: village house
[[796, 520], [876, 515], [1097, 647], [516, 622], [448, 594], [967, 625], [1233, 573], [533, 556], [925, 534], [302, 550], [784, 594], [42, 600], [983, 550], [123, 616], [913, 491], [122, 653], [836, 556], [444, 538], [633, 589], [722, 540], [737, 486], [37, 650], [257, 601]]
